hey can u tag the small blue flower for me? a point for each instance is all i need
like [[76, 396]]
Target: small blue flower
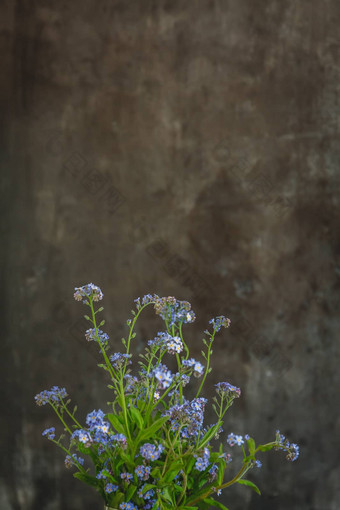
[[101, 475], [49, 433], [239, 440], [110, 487], [82, 436], [126, 476], [231, 439]]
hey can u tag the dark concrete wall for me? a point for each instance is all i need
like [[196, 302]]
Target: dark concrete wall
[[188, 149]]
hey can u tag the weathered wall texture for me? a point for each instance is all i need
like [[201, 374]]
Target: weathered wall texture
[[188, 149]]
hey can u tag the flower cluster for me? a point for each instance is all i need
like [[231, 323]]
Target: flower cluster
[[54, 396], [220, 321], [145, 494], [152, 450], [127, 506], [110, 487], [188, 416], [163, 376], [225, 389], [145, 300], [88, 291], [173, 311], [71, 460], [119, 360], [127, 477], [143, 472], [196, 366], [234, 439], [172, 344], [202, 462], [49, 433], [92, 335], [292, 449]]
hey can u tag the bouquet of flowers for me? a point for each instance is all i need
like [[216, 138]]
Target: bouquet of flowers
[[152, 450]]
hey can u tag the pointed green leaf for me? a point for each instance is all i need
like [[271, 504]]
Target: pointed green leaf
[[213, 502], [147, 487], [88, 479], [114, 420], [209, 435], [150, 431], [130, 492], [251, 445], [137, 417], [265, 448], [165, 494], [250, 484], [173, 471]]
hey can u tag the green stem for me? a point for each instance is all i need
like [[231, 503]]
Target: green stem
[[107, 361], [61, 418], [123, 404], [237, 477], [134, 323], [208, 363], [80, 467], [70, 414], [171, 448], [112, 373], [183, 342], [179, 371]]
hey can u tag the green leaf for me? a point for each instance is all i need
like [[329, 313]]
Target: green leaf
[[165, 494], [251, 445], [190, 465], [202, 482], [265, 448], [150, 431], [88, 479], [221, 469], [129, 463], [197, 495], [113, 418], [213, 502], [147, 487], [156, 473], [173, 471], [130, 492], [250, 484], [137, 417], [209, 435]]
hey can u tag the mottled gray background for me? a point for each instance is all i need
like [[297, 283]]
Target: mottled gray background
[[188, 149]]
